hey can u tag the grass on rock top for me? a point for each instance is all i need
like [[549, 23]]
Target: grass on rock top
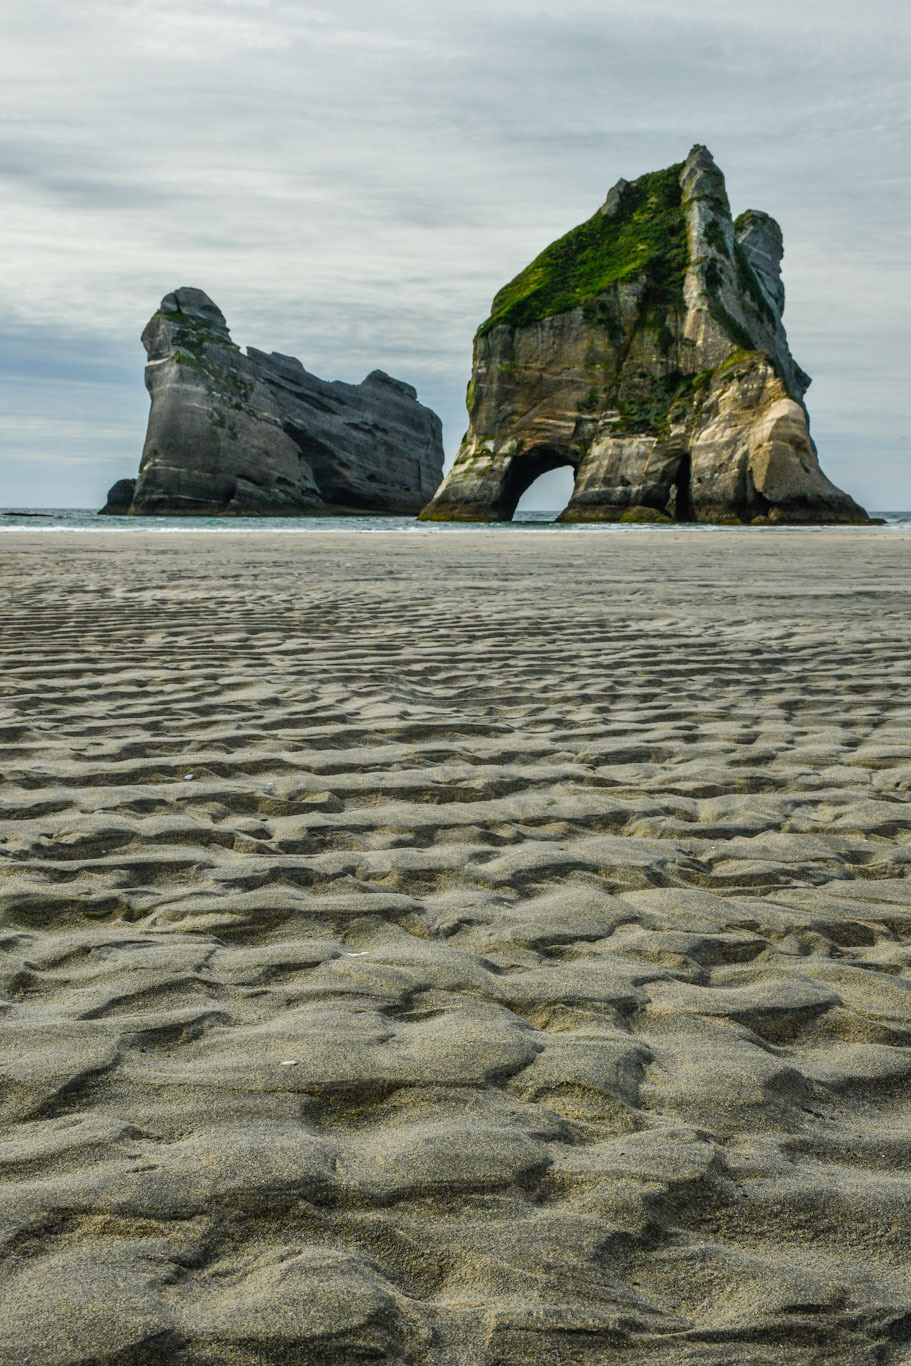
[[647, 236]]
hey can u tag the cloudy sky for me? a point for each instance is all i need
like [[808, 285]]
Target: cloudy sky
[[353, 184]]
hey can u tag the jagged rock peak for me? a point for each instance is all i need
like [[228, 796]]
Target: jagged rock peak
[[701, 178], [195, 304], [380, 377], [257, 434], [614, 201], [646, 350]]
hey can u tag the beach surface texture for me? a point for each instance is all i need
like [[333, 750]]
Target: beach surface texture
[[484, 949]]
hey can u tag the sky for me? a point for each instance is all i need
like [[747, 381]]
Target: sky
[[353, 184]]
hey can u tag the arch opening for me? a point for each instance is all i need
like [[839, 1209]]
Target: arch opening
[[522, 491], [680, 504], [546, 497]]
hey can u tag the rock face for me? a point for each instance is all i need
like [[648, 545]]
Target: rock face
[[256, 434], [646, 350], [120, 497]]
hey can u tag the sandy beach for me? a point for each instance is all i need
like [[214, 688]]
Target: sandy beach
[[480, 949]]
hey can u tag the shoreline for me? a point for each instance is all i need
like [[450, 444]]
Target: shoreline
[[563, 530]]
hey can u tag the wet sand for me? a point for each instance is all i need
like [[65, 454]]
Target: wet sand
[[456, 950]]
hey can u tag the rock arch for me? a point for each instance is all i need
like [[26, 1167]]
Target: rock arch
[[489, 484], [523, 470], [646, 350]]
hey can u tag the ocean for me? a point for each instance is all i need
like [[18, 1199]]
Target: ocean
[[88, 520]]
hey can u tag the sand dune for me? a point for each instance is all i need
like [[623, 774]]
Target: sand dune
[[472, 950]]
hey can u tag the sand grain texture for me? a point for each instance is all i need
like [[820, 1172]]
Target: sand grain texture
[[456, 950]]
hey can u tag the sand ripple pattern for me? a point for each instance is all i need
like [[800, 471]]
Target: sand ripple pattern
[[456, 951]]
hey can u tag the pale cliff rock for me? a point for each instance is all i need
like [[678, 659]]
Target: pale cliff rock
[[256, 434], [646, 350]]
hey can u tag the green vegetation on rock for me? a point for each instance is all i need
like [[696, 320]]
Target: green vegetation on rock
[[744, 356], [714, 235], [735, 331], [646, 237], [648, 412], [639, 513]]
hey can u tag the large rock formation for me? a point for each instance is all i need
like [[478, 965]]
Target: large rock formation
[[256, 434], [646, 350]]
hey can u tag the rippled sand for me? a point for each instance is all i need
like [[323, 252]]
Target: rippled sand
[[456, 950]]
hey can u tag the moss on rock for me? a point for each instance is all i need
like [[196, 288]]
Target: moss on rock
[[639, 513], [646, 237]]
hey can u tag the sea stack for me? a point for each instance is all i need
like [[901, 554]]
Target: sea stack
[[255, 434], [646, 350]]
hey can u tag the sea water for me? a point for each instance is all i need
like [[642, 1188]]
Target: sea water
[[88, 520]]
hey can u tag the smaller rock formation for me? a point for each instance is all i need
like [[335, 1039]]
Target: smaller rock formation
[[646, 350], [120, 497], [256, 434]]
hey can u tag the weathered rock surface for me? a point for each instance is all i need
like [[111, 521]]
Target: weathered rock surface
[[646, 350], [257, 434]]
